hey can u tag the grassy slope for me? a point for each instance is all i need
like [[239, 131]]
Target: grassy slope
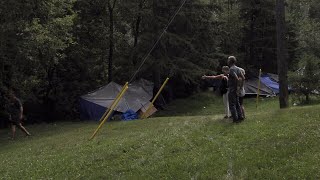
[[270, 144]]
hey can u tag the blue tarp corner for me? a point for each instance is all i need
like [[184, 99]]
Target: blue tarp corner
[[270, 83], [90, 111]]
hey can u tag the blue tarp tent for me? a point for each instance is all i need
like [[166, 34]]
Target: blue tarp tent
[[251, 88], [94, 104], [269, 85]]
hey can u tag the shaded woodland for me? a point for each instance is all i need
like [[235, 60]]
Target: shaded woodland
[[53, 51]]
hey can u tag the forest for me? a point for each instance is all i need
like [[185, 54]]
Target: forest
[[53, 51]]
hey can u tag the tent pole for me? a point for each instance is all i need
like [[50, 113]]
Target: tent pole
[[108, 109], [155, 98], [109, 113], [259, 84]]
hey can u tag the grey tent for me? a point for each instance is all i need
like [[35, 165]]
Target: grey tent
[[269, 85], [94, 104]]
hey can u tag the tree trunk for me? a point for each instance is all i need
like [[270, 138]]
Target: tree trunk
[[136, 32], [111, 39], [137, 25], [282, 54], [307, 98], [252, 37], [156, 54], [48, 102], [156, 73], [1, 71]]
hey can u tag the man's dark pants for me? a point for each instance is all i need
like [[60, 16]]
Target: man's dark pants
[[234, 106]]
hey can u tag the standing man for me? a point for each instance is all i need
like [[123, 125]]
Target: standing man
[[15, 111], [234, 76], [241, 92], [223, 88]]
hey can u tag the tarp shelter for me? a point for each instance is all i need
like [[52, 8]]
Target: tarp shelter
[[269, 85], [251, 88], [94, 104]]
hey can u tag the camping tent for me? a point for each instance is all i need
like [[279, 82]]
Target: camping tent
[[94, 104]]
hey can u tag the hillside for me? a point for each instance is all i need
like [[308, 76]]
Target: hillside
[[187, 141]]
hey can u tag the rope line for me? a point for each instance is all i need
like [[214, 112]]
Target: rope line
[[158, 40]]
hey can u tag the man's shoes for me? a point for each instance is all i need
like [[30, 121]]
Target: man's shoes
[[226, 117], [238, 121]]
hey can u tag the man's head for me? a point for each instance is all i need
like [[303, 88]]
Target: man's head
[[232, 60], [225, 70]]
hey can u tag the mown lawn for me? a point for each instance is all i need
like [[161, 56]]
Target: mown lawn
[[187, 141]]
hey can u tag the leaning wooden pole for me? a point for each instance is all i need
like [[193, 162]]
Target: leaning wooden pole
[[109, 113], [108, 109], [155, 98]]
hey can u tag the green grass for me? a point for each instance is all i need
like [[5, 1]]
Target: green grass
[[205, 104], [193, 143]]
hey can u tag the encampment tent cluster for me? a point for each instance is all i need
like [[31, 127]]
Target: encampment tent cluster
[[137, 99], [94, 104]]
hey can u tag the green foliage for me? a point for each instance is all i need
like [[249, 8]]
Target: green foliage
[[307, 27], [35, 41], [53, 51], [47, 38], [259, 42], [306, 81], [185, 52]]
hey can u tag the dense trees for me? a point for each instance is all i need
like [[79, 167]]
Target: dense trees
[[305, 77], [53, 51], [259, 42]]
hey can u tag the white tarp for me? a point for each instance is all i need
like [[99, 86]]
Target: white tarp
[[137, 96]]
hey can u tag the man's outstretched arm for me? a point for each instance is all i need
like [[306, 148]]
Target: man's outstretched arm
[[221, 76]]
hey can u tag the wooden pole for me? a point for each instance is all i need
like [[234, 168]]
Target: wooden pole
[[109, 113], [155, 97], [108, 109], [259, 86]]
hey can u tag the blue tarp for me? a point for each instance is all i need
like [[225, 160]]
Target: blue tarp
[[130, 115], [270, 83]]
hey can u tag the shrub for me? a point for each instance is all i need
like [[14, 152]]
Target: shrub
[[306, 80]]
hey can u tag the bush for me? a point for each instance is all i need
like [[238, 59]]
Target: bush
[[306, 81]]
